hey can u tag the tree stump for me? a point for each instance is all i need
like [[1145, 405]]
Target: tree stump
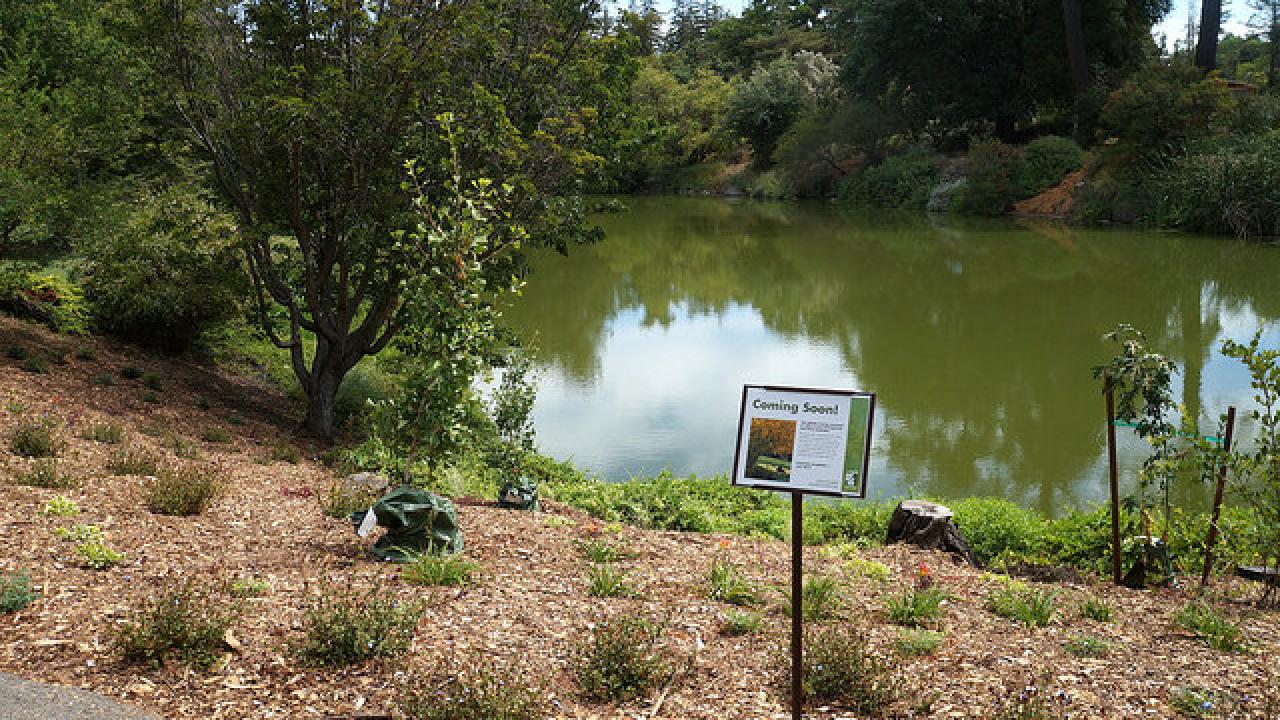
[[928, 525]]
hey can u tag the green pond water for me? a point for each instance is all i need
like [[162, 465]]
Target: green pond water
[[977, 338]]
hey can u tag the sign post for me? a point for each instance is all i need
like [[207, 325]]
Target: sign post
[[804, 441]]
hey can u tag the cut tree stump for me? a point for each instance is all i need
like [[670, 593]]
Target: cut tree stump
[[928, 525]]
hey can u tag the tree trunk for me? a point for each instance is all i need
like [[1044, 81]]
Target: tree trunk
[[1210, 24], [928, 525], [1073, 26], [321, 399]]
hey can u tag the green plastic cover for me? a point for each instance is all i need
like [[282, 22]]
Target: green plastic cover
[[519, 494], [417, 522]]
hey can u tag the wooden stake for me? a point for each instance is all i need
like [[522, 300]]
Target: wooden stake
[[1115, 484], [1217, 499]]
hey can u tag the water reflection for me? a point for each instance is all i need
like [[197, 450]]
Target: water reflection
[[977, 336]]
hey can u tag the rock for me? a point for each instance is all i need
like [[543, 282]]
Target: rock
[[368, 481], [928, 525]]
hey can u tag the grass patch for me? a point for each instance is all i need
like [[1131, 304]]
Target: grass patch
[[599, 551], [438, 570], [725, 583], [915, 642], [473, 691], [1194, 702], [107, 433], [621, 660], [186, 623], [61, 506], [343, 630], [915, 607], [1017, 601], [821, 598], [216, 436], [16, 592], [185, 489], [36, 439], [840, 669], [603, 580], [80, 533], [44, 473], [556, 521], [248, 586], [872, 570], [1213, 628], [741, 622], [1087, 646], [35, 365], [286, 453], [133, 460], [1096, 609]]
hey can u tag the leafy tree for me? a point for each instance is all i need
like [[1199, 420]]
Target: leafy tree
[[308, 109], [766, 105], [1266, 21]]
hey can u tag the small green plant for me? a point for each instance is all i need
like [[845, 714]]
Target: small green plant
[[80, 533], [151, 397], [153, 382], [438, 570], [61, 506], [917, 641], [36, 438], [603, 580], [187, 623], [105, 379], [131, 372], [216, 435], [203, 403], [58, 355], [86, 353], [1194, 702], [16, 592], [345, 630], [248, 586], [108, 433], [44, 473], [1087, 646], [97, 555], [741, 622], [599, 551], [1017, 601], [872, 570], [1210, 626], [1030, 701], [185, 489], [35, 364], [556, 521], [182, 446], [1096, 609], [726, 584], [132, 460], [821, 598], [840, 668], [472, 690], [621, 660], [341, 499], [16, 352], [286, 453], [235, 420], [917, 606]]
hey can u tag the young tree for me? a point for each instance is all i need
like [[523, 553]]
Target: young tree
[[307, 111]]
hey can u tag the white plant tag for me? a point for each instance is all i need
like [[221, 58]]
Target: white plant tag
[[368, 524]]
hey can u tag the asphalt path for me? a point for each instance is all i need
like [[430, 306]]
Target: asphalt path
[[26, 700]]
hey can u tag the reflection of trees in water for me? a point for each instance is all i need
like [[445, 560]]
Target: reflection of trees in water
[[977, 336]]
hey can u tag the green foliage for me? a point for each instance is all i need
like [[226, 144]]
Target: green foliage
[[438, 570], [108, 433], [1096, 609], [1229, 186], [1087, 646], [86, 353], [16, 592], [44, 474], [1261, 468], [16, 352], [286, 453], [471, 690], [104, 379], [603, 580], [61, 506], [186, 623], [992, 181], [1045, 161], [901, 181], [918, 641], [1031, 701], [48, 298], [1213, 628], [600, 551], [821, 598], [153, 382], [994, 526], [763, 107], [725, 583], [248, 586], [80, 533], [216, 435], [841, 669], [870, 569], [741, 622], [131, 372], [1017, 601], [1164, 105], [342, 629], [97, 555], [340, 499], [36, 438], [186, 489], [621, 660], [35, 365], [1193, 702], [133, 460], [917, 606]]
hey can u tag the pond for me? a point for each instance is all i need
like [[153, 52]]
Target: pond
[[977, 337]]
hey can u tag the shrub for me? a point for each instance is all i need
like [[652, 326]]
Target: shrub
[[344, 630], [247, 587], [80, 533], [61, 506], [1210, 626], [604, 581], [474, 691], [726, 584], [433, 570], [994, 526], [1087, 646], [130, 372], [86, 353], [599, 551], [1017, 601], [1045, 161], [132, 460], [916, 606], [35, 364], [109, 433], [105, 379], [46, 298], [1164, 105], [341, 499], [1096, 609], [1231, 187], [918, 641], [821, 598], [44, 474], [621, 660], [741, 622], [181, 446], [901, 181], [216, 435], [97, 555], [16, 592], [286, 453], [37, 438], [992, 181], [153, 381], [16, 352], [840, 669], [186, 623], [185, 489]]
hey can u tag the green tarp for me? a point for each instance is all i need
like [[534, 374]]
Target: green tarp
[[416, 522]]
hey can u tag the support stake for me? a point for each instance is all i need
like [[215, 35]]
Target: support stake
[[1115, 484], [1217, 499], [797, 605]]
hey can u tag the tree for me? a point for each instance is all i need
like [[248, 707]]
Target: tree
[[764, 107], [1210, 28], [1266, 20], [307, 111]]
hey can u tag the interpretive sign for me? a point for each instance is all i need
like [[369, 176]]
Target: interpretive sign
[[804, 440]]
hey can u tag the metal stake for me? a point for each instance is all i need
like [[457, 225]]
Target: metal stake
[[1115, 484], [1217, 499], [797, 605]]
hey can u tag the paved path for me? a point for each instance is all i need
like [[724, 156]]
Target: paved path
[[26, 700]]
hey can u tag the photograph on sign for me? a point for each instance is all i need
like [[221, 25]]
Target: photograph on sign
[[806, 440]]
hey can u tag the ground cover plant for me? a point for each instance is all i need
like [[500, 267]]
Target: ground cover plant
[[187, 623], [1033, 607], [110, 433], [341, 629], [187, 489], [621, 659], [912, 641], [1087, 646], [840, 668], [470, 690], [36, 438], [599, 551], [133, 460], [741, 622], [16, 592], [1096, 609], [438, 570], [61, 506], [44, 473], [821, 598], [917, 606], [725, 583], [97, 555], [1211, 626], [605, 580]]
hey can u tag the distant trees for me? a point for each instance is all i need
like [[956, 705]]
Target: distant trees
[[1266, 21]]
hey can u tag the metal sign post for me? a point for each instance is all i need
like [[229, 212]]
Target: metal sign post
[[803, 441]]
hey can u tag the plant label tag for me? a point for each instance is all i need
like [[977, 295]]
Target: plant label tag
[[368, 524]]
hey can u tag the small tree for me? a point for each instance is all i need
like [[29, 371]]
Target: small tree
[[1261, 468]]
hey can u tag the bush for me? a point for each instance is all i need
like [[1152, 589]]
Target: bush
[[132, 460], [726, 584], [97, 555], [16, 592], [916, 606], [35, 365], [917, 641], [438, 570], [341, 499], [821, 598], [185, 489], [1210, 626], [901, 181], [621, 660], [1045, 161], [37, 438], [109, 433], [1096, 609], [604, 581], [44, 474], [1230, 187], [61, 506], [740, 622], [599, 551], [994, 526], [1087, 646], [870, 569], [167, 271], [185, 623], [344, 630], [1163, 105], [1017, 601], [46, 298], [474, 691], [992, 180], [840, 669], [80, 533]]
